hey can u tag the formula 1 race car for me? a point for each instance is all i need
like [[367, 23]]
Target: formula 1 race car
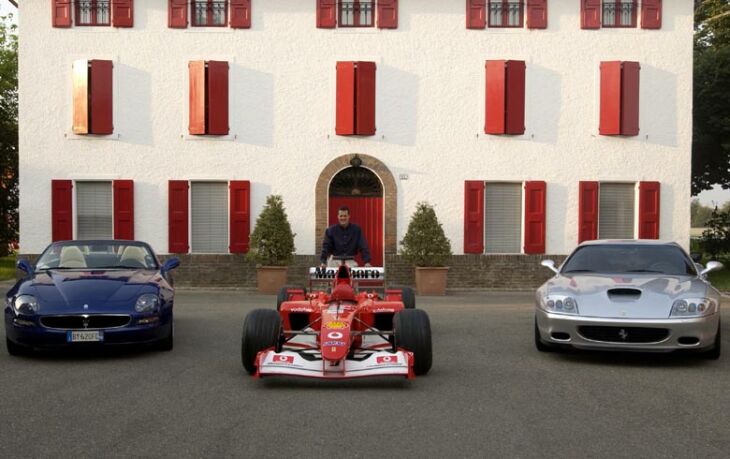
[[346, 331]]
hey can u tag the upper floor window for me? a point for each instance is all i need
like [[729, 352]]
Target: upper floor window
[[505, 13], [209, 13], [619, 13], [93, 13], [356, 13]]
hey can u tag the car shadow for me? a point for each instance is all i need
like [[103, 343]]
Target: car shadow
[[288, 382], [633, 359], [91, 353]]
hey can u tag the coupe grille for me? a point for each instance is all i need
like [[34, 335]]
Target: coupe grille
[[80, 322], [624, 334]]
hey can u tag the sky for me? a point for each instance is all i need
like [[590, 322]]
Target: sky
[[716, 196]]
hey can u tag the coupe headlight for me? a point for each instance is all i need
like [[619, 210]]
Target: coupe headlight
[[26, 304], [693, 307], [560, 304], [147, 303]]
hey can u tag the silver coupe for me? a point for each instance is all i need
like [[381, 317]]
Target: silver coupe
[[630, 295]]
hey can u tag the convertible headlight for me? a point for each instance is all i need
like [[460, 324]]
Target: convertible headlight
[[693, 307], [26, 304], [559, 304], [147, 303]]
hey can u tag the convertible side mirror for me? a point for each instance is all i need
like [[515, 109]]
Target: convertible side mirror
[[549, 264], [25, 266], [711, 266], [170, 264]]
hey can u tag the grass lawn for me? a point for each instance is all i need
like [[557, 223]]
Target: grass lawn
[[7, 267], [720, 279]]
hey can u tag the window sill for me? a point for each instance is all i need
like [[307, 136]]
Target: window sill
[[207, 30], [69, 135], [210, 138], [95, 29], [357, 30]]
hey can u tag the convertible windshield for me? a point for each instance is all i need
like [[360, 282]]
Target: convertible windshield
[[97, 255], [628, 258]]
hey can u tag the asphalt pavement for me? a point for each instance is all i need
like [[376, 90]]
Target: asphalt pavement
[[489, 394]]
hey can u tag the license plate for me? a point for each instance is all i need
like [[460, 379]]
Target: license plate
[[86, 336]]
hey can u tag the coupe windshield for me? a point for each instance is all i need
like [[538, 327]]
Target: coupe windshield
[[97, 255], [626, 258]]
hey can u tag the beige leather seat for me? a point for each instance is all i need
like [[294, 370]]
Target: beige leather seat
[[71, 257], [133, 256]]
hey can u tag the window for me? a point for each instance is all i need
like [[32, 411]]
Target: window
[[94, 210], [495, 214], [505, 13], [209, 13], [93, 97], [208, 98], [616, 204], [505, 97], [502, 217], [355, 93], [619, 104], [93, 12], [209, 217], [356, 13], [619, 13]]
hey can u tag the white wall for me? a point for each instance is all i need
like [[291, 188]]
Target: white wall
[[430, 111]]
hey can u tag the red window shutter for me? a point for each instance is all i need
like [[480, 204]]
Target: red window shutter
[[61, 211], [345, 105], [240, 14], [61, 13], [495, 97], [473, 216], [630, 98], [476, 14], [590, 14], [387, 14], [177, 14], [178, 216], [101, 109], [123, 209], [240, 215], [218, 98], [196, 125], [537, 14], [365, 98], [610, 119], [649, 204], [326, 14], [588, 211], [123, 13], [651, 14], [515, 97], [535, 197], [81, 97]]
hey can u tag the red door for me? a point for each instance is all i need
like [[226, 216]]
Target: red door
[[366, 212]]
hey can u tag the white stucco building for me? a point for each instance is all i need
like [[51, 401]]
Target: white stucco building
[[601, 153]]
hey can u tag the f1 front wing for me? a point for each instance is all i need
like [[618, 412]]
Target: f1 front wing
[[292, 363]]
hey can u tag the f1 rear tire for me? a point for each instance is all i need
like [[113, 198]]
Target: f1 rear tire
[[283, 294], [409, 298], [412, 332], [261, 330]]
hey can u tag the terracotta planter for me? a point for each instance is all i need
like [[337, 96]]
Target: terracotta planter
[[269, 279], [431, 281]]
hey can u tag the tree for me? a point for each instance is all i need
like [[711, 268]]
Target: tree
[[8, 134], [425, 243], [272, 241], [699, 214], [711, 112]]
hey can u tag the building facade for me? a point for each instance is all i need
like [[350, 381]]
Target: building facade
[[529, 125]]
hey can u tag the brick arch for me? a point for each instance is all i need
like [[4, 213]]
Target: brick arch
[[390, 200]]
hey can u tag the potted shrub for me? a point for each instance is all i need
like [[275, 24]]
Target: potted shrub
[[426, 246], [272, 246]]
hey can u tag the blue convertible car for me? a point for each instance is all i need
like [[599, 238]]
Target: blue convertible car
[[85, 293]]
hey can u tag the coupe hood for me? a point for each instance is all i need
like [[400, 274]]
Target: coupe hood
[[61, 290], [637, 296]]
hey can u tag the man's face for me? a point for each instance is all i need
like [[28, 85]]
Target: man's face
[[343, 217]]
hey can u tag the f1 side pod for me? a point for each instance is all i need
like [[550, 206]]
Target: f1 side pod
[[292, 363]]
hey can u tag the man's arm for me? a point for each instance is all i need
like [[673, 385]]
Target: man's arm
[[362, 246], [327, 246]]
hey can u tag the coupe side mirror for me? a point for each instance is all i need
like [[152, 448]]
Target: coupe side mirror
[[170, 264], [711, 266], [25, 266], [696, 257], [549, 264]]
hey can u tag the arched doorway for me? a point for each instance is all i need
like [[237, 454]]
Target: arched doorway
[[361, 191]]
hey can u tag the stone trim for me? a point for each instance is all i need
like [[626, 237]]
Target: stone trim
[[390, 201]]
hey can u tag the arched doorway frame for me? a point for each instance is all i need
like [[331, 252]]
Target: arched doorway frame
[[390, 198]]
